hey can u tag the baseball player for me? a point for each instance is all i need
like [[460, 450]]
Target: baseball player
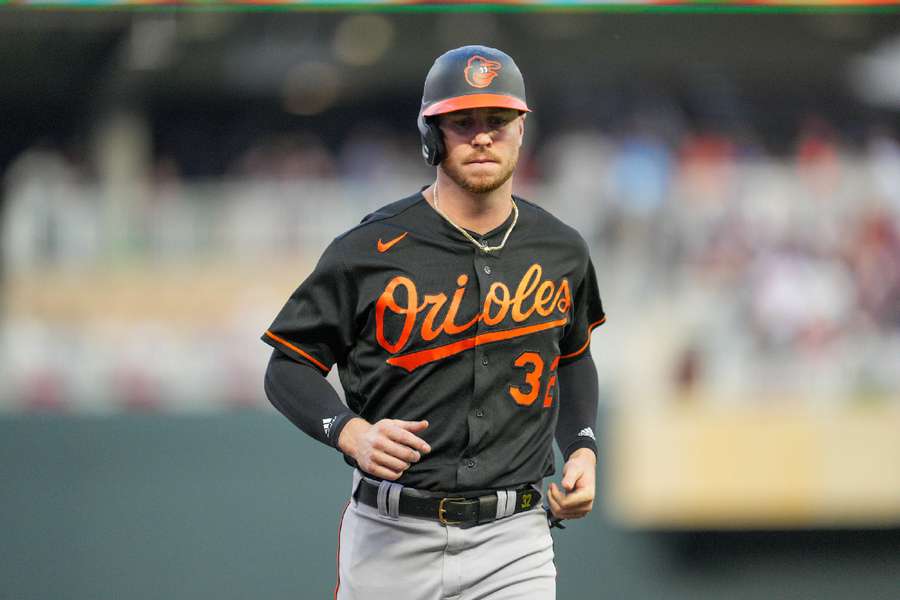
[[460, 320]]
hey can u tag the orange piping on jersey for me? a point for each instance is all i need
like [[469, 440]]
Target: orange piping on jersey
[[414, 360], [337, 585], [588, 342], [298, 351]]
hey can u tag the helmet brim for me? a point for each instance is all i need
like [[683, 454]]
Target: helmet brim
[[474, 101]]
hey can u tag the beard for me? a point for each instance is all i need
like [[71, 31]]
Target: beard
[[479, 184]]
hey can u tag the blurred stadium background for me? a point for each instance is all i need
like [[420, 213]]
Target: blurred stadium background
[[169, 178]]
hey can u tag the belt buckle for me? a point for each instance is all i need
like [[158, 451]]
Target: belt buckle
[[442, 511]]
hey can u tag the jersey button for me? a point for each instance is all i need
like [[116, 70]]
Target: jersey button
[[487, 269], [484, 361], [470, 463], [479, 412]]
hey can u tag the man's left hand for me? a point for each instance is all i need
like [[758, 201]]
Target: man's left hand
[[576, 498]]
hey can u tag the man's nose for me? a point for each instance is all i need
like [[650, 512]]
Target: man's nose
[[482, 138]]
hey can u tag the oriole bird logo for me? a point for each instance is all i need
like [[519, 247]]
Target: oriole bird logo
[[480, 71]]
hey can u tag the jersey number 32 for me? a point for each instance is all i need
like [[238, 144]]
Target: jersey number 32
[[526, 394]]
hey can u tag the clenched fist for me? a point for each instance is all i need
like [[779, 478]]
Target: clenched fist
[[576, 498]]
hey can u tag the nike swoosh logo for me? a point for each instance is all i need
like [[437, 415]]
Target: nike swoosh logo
[[385, 246], [414, 360]]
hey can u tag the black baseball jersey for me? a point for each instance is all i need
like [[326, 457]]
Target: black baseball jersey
[[424, 325]]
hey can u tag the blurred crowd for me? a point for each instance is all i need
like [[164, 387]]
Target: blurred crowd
[[730, 273]]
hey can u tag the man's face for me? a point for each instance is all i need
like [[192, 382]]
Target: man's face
[[482, 146]]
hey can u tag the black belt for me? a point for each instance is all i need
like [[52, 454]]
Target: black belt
[[451, 510]]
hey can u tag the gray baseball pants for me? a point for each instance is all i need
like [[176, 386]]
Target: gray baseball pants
[[384, 557]]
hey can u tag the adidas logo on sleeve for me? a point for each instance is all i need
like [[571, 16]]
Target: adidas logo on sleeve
[[326, 424], [587, 432]]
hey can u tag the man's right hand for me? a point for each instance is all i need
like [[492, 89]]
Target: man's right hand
[[385, 449]]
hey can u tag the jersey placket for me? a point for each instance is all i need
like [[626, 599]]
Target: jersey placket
[[470, 472]]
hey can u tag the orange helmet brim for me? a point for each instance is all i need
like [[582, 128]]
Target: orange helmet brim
[[475, 101]]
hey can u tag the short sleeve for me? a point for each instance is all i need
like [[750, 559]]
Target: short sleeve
[[587, 313], [315, 326]]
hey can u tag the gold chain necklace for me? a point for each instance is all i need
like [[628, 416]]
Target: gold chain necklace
[[479, 245]]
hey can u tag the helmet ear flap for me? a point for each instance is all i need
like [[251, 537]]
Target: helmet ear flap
[[432, 140]]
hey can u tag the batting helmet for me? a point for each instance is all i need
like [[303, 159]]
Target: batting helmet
[[467, 77]]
